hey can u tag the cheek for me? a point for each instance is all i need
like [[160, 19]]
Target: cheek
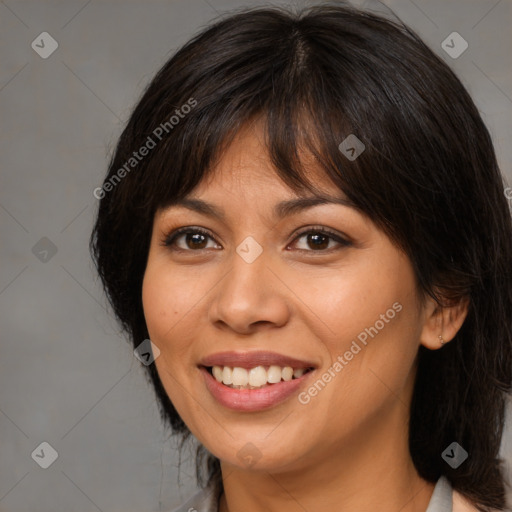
[[347, 304], [157, 305], [374, 326], [173, 302], [165, 313], [167, 297], [163, 310]]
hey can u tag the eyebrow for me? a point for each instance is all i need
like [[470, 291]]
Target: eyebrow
[[281, 210]]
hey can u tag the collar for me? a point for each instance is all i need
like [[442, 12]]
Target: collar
[[444, 499]]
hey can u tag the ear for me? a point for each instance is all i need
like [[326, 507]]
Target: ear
[[441, 323]]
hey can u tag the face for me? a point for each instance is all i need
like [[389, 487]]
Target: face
[[309, 316]]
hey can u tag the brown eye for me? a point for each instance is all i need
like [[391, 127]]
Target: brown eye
[[318, 240], [194, 239]]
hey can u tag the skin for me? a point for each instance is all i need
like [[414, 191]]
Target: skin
[[347, 448]]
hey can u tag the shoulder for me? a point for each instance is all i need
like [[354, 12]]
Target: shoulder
[[461, 504], [446, 499], [205, 500]]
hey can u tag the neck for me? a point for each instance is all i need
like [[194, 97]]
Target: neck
[[371, 471], [406, 492]]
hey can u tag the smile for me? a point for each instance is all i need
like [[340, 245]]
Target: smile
[[255, 378], [253, 381]]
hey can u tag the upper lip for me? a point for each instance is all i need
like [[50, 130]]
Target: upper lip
[[253, 359]]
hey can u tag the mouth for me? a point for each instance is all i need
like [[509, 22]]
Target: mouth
[[253, 381], [255, 378]]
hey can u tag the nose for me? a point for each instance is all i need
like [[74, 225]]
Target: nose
[[250, 297]]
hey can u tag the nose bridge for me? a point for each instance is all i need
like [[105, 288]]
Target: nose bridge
[[248, 293], [247, 281], [249, 250]]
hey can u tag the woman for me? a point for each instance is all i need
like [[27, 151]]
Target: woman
[[305, 216]]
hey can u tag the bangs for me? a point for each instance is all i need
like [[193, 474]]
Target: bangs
[[311, 91], [315, 83], [298, 126]]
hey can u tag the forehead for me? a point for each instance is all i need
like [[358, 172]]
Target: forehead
[[244, 167], [244, 178]]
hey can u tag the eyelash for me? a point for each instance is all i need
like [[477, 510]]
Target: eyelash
[[171, 238]]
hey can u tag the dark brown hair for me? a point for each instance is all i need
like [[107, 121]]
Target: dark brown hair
[[428, 177]]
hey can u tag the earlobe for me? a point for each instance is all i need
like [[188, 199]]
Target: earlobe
[[442, 323]]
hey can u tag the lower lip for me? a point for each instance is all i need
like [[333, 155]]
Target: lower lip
[[249, 400]]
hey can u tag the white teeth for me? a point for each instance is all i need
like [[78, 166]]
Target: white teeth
[[274, 374], [287, 373], [218, 373], [240, 376], [227, 375], [256, 377], [299, 372]]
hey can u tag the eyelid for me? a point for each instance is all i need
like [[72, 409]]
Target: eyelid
[[342, 240], [170, 237]]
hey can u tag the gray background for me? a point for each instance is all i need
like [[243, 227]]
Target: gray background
[[67, 377]]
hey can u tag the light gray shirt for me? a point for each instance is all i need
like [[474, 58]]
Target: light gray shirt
[[207, 499]]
